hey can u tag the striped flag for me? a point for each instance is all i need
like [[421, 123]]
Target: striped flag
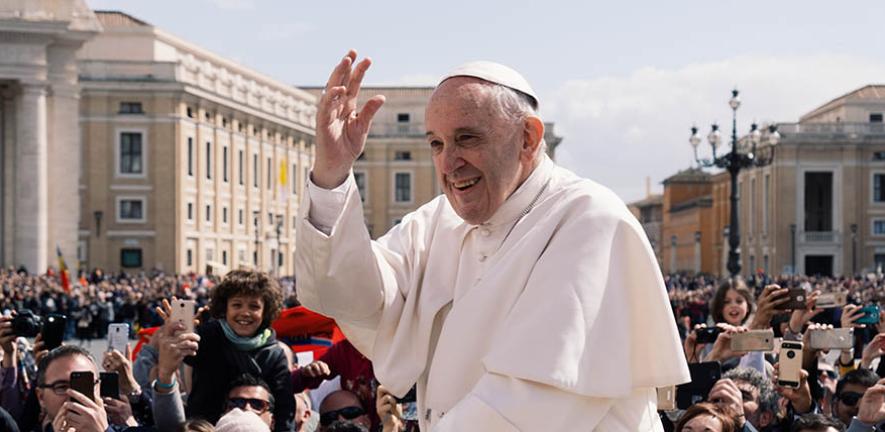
[[63, 270]]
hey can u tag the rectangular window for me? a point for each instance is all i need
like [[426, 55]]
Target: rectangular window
[[402, 118], [224, 163], [818, 201], [190, 257], [190, 156], [879, 187], [130, 258], [210, 254], [876, 118], [190, 211], [224, 215], [403, 187], [254, 170], [270, 218], [360, 178], [224, 257], [208, 160], [269, 183], [240, 168], [131, 108], [190, 112], [130, 153], [131, 209], [240, 216], [402, 156], [879, 227], [208, 213]]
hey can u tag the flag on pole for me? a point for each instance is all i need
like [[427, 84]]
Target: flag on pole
[[283, 180], [63, 270]]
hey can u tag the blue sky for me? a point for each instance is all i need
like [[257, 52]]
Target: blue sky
[[624, 81]]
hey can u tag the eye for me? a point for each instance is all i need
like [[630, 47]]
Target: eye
[[436, 146]]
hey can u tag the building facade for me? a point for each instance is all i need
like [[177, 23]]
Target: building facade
[[820, 207], [39, 139], [190, 161], [688, 229]]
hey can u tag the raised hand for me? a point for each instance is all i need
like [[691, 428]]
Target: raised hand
[[766, 307], [725, 393], [871, 409], [317, 369], [115, 361], [850, 314], [341, 130], [390, 412], [800, 317]]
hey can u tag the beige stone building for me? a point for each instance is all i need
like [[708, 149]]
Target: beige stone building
[[820, 207], [39, 139], [395, 173], [190, 161]]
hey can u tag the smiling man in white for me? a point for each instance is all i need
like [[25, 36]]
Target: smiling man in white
[[524, 289]]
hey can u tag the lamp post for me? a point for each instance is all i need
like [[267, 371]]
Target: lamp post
[[98, 214], [733, 162]]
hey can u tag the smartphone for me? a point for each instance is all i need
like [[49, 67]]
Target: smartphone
[[753, 340], [870, 315], [110, 385], [796, 300], [53, 330], [703, 377], [183, 312], [790, 361], [84, 382], [837, 338], [707, 334], [118, 337], [832, 300], [666, 398]]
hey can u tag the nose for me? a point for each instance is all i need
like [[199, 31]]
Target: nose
[[450, 159]]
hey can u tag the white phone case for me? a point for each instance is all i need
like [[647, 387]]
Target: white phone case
[[118, 336], [183, 312]]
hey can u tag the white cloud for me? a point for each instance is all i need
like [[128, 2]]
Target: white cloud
[[233, 4], [620, 129]]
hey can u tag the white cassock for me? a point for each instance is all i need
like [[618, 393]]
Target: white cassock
[[551, 316]]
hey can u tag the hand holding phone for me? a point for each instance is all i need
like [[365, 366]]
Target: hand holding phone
[[790, 364], [110, 385], [183, 312], [118, 337], [53, 331]]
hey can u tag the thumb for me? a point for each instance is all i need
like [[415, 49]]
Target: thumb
[[129, 351]]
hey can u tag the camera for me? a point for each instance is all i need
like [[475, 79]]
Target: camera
[[791, 354], [27, 324]]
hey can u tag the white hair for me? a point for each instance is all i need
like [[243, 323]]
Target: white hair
[[515, 106]]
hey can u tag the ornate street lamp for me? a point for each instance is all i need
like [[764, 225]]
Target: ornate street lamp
[[744, 154]]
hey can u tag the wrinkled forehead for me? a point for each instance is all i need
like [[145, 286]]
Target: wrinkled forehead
[[462, 92]]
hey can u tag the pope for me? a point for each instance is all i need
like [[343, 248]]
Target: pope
[[524, 299]]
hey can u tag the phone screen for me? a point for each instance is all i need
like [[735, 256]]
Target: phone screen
[[118, 336], [110, 385], [53, 331], [84, 383]]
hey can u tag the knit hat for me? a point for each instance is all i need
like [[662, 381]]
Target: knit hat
[[237, 420]]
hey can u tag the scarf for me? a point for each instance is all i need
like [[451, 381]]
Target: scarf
[[244, 343]]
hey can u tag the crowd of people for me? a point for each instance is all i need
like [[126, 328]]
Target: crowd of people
[[232, 373], [839, 389]]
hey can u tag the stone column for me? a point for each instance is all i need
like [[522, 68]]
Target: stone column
[[31, 192], [63, 171]]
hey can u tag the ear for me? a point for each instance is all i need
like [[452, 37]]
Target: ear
[[532, 135]]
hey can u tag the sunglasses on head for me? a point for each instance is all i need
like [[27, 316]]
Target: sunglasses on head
[[261, 406], [348, 413], [849, 398]]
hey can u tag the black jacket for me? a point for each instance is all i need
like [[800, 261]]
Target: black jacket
[[217, 363]]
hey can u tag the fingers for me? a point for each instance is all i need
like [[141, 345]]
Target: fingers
[[341, 72], [368, 112], [356, 80]]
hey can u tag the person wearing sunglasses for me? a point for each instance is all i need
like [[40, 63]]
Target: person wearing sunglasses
[[849, 391], [342, 405], [250, 393]]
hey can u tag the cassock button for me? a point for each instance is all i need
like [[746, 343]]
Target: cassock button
[[482, 258], [485, 232]]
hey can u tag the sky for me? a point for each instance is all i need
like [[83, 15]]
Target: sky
[[622, 81]]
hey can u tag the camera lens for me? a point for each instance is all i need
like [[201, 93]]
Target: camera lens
[[791, 354]]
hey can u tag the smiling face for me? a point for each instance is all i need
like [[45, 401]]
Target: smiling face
[[481, 157], [244, 314], [734, 308]]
